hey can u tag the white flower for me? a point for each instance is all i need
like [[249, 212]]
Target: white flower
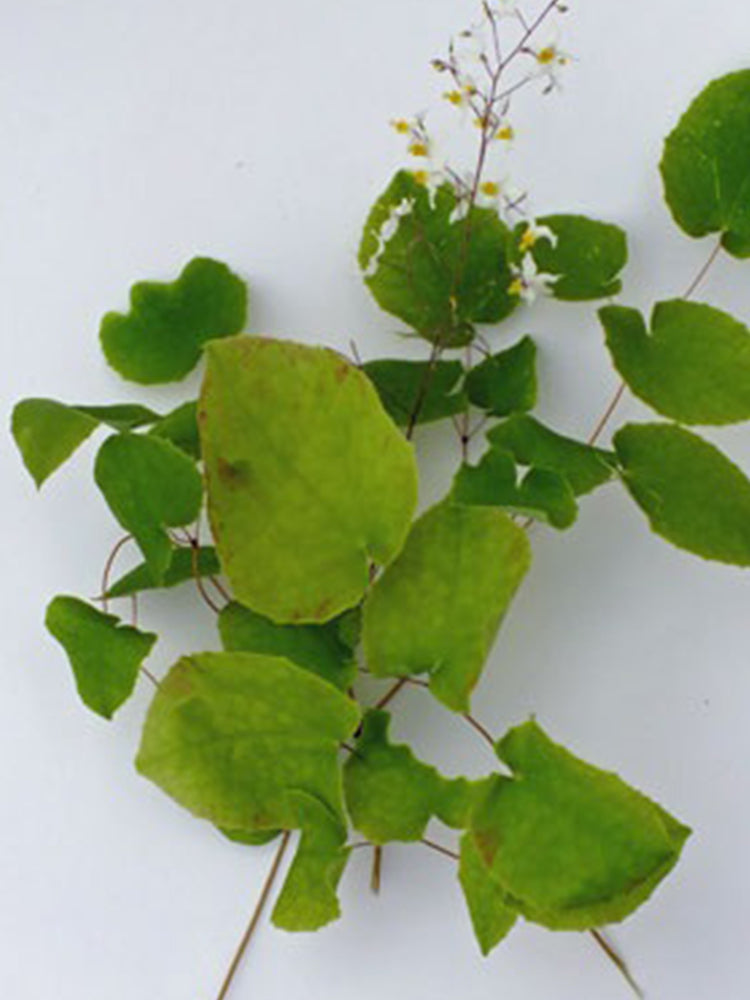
[[529, 283], [489, 193], [533, 233], [550, 60]]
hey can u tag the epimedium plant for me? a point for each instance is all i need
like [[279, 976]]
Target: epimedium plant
[[318, 568]]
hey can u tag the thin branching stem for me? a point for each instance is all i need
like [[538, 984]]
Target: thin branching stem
[[446, 851], [255, 918], [108, 567], [617, 960]]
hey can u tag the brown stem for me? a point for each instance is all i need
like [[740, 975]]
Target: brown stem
[[255, 918], [439, 848], [483, 732], [391, 693], [617, 960], [108, 569], [377, 868]]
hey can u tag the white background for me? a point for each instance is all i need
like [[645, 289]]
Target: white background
[[137, 133]]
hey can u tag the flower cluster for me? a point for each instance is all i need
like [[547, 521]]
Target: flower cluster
[[486, 65]]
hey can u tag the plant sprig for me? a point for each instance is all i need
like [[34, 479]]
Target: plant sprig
[[318, 567]]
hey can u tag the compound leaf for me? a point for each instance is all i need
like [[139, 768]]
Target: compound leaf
[[438, 271], [505, 382], [692, 494], [421, 387], [456, 576], [149, 485], [233, 737], [308, 478], [161, 338], [694, 366], [105, 655], [533, 444], [586, 254], [541, 494], [706, 164], [390, 795], [308, 897], [571, 846], [318, 648], [184, 564], [491, 915]]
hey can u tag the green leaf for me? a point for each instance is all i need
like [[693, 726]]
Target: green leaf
[[161, 338], [706, 164], [491, 916], [505, 382], [455, 578], [121, 416], [308, 478], [317, 648], [571, 846], [541, 494], [390, 795], [694, 366], [402, 385], [691, 493], [233, 737], [437, 272], [149, 485], [47, 433], [183, 565], [531, 443], [105, 655], [180, 426], [308, 897], [249, 839], [588, 255]]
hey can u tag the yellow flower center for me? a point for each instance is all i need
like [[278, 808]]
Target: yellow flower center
[[505, 132], [528, 240], [401, 125], [490, 188], [419, 149], [515, 287], [454, 96], [420, 176], [546, 55]]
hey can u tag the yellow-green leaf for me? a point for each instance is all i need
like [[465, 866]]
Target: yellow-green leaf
[[438, 608], [234, 737], [491, 915], [308, 898], [571, 846], [390, 795], [308, 478]]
